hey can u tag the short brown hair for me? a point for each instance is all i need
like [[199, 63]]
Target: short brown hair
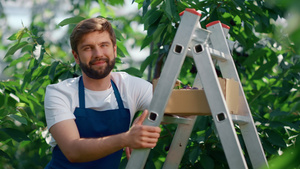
[[91, 25]]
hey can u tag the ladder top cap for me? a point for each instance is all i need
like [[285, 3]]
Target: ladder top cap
[[216, 22], [191, 10]]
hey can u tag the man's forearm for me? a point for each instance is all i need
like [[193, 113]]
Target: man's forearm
[[90, 149]]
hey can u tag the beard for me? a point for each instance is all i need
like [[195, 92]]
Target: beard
[[100, 72]]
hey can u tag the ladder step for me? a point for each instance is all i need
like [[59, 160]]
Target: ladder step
[[218, 55], [176, 119], [215, 54], [186, 120], [240, 119]]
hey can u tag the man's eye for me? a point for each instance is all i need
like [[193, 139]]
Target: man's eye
[[87, 48]]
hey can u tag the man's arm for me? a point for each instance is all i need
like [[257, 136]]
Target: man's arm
[[78, 149]]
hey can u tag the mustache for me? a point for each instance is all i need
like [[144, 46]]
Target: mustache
[[98, 59]]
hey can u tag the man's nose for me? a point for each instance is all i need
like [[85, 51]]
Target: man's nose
[[97, 52]]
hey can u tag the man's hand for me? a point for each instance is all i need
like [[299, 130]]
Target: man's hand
[[141, 136]]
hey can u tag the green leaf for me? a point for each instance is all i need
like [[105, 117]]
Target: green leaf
[[35, 86], [207, 162], [15, 134], [265, 68], [119, 35], [11, 100], [275, 139], [156, 15], [94, 11], [27, 78], [20, 59], [201, 123], [151, 17], [45, 71], [23, 97], [277, 124], [296, 107], [146, 4], [13, 36], [255, 8], [43, 150], [3, 136], [289, 158], [146, 41], [20, 119], [237, 20], [133, 71], [19, 35], [52, 70], [194, 155], [120, 53], [67, 74], [160, 32], [152, 28], [41, 57], [32, 64], [170, 9], [3, 100], [72, 20], [4, 154], [24, 114], [14, 48], [277, 113], [121, 50], [147, 62], [268, 147], [20, 104]]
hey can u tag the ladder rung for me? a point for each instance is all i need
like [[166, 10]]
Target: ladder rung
[[185, 120], [240, 119], [214, 54], [218, 55], [176, 119]]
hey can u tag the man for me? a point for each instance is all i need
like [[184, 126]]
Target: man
[[89, 116]]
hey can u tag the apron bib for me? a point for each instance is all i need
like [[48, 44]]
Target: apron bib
[[93, 124]]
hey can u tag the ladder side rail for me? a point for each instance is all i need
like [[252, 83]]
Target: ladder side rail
[[181, 137], [218, 107], [166, 82], [179, 143], [228, 70]]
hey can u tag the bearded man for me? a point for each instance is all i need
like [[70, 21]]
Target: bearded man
[[89, 116]]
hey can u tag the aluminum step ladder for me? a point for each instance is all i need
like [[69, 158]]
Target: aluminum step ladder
[[203, 45]]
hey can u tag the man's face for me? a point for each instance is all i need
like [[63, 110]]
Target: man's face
[[96, 54]]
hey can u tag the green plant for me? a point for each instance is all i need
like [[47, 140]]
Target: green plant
[[266, 55]]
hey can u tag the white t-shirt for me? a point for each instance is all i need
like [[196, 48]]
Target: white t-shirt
[[61, 99]]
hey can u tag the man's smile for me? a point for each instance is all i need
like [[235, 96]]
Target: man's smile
[[99, 62]]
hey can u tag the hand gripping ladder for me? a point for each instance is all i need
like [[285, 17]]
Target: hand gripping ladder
[[203, 45]]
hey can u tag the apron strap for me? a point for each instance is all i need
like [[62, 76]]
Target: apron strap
[[117, 94], [81, 93], [82, 96]]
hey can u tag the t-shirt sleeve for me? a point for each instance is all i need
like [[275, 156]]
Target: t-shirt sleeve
[[145, 97], [57, 106], [143, 93]]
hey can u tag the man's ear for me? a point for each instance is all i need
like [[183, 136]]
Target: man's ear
[[76, 57], [115, 50]]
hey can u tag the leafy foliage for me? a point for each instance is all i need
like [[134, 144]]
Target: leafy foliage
[[266, 55], [266, 58]]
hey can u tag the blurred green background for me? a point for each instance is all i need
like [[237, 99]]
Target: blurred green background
[[35, 52]]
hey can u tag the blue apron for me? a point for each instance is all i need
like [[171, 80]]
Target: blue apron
[[93, 124]]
